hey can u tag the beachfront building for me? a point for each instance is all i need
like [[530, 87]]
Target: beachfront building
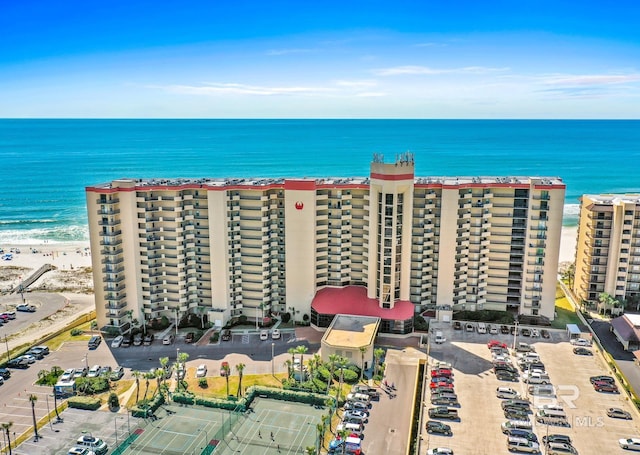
[[608, 248], [388, 246]]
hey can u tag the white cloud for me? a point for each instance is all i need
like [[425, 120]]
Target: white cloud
[[365, 83], [427, 71], [371, 94], [241, 89], [591, 79]]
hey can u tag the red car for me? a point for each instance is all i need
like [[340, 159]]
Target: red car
[[605, 387], [440, 385], [496, 343], [442, 372]]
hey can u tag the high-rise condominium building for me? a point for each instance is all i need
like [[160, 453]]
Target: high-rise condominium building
[[389, 245], [608, 248]]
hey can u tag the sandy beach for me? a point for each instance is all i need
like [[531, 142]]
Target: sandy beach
[[72, 262], [568, 242]]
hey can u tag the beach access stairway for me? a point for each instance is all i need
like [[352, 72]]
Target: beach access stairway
[[23, 285]]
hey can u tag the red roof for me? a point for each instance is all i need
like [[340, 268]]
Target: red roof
[[353, 300]]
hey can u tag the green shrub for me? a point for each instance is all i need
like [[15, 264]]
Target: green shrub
[[114, 401], [90, 386], [214, 337], [76, 332], [323, 373], [88, 403], [46, 377], [286, 317], [202, 382], [144, 406], [350, 376], [420, 324]]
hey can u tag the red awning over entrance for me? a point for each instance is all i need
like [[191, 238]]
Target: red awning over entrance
[[354, 300]]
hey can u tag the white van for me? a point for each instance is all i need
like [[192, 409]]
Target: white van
[[439, 339], [356, 428], [522, 445], [482, 327], [361, 397], [551, 417], [543, 390], [516, 424], [507, 393]]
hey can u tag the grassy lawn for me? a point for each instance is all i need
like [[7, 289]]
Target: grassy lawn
[[65, 336], [564, 310]]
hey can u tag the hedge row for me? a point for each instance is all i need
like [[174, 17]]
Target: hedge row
[[188, 398], [143, 407], [88, 403]]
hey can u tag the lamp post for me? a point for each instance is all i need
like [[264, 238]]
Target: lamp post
[[273, 346], [86, 361], [176, 323], [115, 427], [7, 344], [515, 335], [49, 412]]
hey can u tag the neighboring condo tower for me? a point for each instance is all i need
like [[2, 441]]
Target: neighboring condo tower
[[388, 246]]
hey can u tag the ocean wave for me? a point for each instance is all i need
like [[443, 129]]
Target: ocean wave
[[60, 234], [27, 221], [571, 214]]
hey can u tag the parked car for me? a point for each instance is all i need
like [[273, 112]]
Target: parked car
[[434, 426], [168, 339], [201, 372], [582, 351], [80, 372], [507, 393], [618, 413], [94, 371], [126, 342], [223, 368], [441, 372], [105, 371], [535, 333], [226, 335], [440, 451], [117, 341], [264, 335], [580, 342], [95, 444], [137, 340], [116, 374], [630, 444], [67, 375], [558, 448], [26, 308], [356, 405], [526, 434], [442, 412], [469, 327], [605, 387], [356, 413], [148, 339], [275, 334], [80, 451], [504, 329], [35, 354], [559, 438], [595, 379], [44, 349], [18, 362], [545, 334], [5, 373], [457, 325], [94, 342], [190, 337], [526, 332]]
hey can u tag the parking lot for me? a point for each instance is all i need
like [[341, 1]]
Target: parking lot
[[591, 430]]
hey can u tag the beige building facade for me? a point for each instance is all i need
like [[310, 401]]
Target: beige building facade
[[389, 245], [608, 247]]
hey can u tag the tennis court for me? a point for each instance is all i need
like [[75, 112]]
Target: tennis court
[[270, 427], [273, 427]]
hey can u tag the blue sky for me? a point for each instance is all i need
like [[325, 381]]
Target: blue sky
[[270, 59]]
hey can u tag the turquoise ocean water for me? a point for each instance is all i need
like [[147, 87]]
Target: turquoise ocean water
[[46, 164]]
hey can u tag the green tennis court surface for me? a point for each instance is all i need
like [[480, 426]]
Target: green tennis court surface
[[270, 427]]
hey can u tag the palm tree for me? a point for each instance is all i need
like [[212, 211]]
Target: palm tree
[[301, 350], [181, 367], [136, 374], [240, 369], [33, 398], [343, 436], [377, 355], [331, 404], [310, 450], [6, 427], [363, 350], [293, 353], [226, 369], [314, 364], [289, 366], [322, 429], [342, 364], [164, 362], [147, 377], [320, 434], [333, 360], [159, 375]]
